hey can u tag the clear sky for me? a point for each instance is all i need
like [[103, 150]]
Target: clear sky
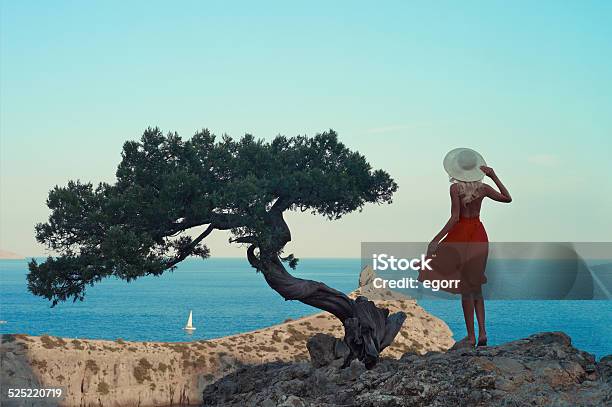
[[528, 84]]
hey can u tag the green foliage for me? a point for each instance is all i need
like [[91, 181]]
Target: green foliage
[[142, 370], [166, 188], [92, 365], [49, 342], [103, 388]]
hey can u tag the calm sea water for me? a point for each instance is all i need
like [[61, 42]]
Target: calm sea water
[[227, 297]]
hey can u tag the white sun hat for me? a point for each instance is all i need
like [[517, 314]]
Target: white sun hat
[[463, 164]]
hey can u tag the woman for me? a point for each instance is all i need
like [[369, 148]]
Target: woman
[[459, 251]]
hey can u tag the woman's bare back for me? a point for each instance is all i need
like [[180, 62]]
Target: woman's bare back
[[472, 208]]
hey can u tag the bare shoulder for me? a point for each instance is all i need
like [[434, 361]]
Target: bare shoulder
[[483, 190], [495, 195], [486, 188]]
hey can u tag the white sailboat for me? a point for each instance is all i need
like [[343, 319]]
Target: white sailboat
[[189, 327]]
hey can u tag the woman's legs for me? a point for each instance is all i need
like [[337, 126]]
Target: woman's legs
[[467, 303], [480, 316]]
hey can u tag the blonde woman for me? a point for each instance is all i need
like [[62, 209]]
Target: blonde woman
[[460, 249]]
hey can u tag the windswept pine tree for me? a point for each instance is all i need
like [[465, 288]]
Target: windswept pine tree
[[166, 188]]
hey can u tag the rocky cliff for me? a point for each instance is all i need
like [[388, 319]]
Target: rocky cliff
[[542, 370], [121, 373]]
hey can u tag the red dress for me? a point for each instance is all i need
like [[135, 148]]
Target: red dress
[[461, 255]]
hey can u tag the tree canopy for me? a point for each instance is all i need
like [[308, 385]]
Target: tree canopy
[[166, 186]]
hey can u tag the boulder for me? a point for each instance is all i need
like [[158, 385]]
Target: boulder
[[324, 349]]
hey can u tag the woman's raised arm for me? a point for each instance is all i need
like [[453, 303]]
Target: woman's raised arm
[[503, 195]]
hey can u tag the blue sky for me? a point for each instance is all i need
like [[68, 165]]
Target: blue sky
[[528, 84]]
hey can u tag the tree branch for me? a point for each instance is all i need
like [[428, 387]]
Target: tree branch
[[281, 205], [243, 239], [252, 258], [225, 221], [193, 244]]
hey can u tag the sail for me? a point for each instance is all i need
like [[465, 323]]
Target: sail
[[190, 321]]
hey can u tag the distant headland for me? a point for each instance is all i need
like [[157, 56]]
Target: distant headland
[[7, 255]]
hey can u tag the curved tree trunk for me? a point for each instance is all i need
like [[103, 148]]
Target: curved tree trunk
[[368, 329]]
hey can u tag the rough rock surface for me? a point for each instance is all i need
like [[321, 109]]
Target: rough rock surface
[[122, 373], [541, 370], [324, 349]]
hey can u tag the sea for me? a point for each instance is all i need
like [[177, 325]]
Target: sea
[[227, 297]]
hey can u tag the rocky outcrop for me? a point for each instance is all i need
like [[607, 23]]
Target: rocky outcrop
[[542, 370], [122, 373], [325, 349]]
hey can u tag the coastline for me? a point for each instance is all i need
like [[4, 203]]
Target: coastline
[[120, 372]]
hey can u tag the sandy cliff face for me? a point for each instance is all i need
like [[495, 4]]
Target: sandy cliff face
[[118, 373]]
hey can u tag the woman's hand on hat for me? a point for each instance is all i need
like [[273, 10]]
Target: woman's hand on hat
[[488, 171]]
